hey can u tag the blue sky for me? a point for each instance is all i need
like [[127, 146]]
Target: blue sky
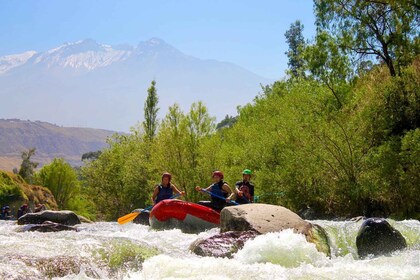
[[248, 33]]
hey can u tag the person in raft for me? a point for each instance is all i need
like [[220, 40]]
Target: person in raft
[[219, 188], [165, 189], [245, 189], [24, 209]]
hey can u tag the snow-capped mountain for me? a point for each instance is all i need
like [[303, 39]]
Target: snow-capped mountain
[[85, 54], [86, 83], [9, 62]]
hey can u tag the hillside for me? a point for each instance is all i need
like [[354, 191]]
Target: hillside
[[89, 84], [49, 140], [14, 191]]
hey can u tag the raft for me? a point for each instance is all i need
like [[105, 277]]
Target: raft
[[187, 216]]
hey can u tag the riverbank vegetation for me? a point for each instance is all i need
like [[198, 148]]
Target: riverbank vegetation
[[340, 134]]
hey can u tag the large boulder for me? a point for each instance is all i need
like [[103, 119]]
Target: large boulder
[[62, 217], [377, 237], [222, 245], [264, 218], [47, 226]]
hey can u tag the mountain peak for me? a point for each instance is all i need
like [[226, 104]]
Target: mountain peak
[[9, 62], [78, 47], [155, 45]]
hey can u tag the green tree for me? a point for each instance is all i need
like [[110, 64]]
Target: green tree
[[228, 121], [27, 167], [118, 181], [91, 155], [150, 111], [387, 29], [61, 179], [179, 146], [296, 42], [327, 63]]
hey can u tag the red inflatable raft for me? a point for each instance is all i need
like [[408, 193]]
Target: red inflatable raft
[[187, 216]]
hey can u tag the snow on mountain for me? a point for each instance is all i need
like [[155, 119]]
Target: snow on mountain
[[9, 62], [89, 84], [87, 54]]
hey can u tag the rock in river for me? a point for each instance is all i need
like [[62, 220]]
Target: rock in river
[[377, 237], [222, 245], [62, 217], [241, 223], [46, 226]]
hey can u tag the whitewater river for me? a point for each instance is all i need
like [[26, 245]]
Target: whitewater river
[[112, 251]]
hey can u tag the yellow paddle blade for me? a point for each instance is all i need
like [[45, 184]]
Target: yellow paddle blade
[[127, 218]]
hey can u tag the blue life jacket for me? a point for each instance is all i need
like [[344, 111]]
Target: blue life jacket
[[216, 189], [164, 193]]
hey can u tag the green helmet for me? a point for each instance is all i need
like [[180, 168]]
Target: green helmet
[[247, 172]]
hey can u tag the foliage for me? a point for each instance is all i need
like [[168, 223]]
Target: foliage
[[91, 155], [62, 180], [27, 167], [8, 187], [15, 191], [296, 42], [228, 121], [150, 111], [387, 30], [118, 180]]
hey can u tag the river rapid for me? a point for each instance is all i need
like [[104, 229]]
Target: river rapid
[[112, 251]]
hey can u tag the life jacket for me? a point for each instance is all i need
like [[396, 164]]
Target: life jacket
[[164, 193], [216, 189]]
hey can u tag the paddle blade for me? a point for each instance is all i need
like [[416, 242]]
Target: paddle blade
[[127, 218]]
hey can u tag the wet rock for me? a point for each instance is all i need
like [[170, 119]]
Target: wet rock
[[377, 237], [61, 217], [261, 218], [47, 226], [264, 218], [222, 245], [142, 218]]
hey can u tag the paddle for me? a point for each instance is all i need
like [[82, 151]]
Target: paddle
[[218, 196], [129, 217]]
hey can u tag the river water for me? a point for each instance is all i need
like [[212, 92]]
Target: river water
[[112, 251]]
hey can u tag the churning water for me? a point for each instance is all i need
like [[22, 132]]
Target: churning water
[[112, 251]]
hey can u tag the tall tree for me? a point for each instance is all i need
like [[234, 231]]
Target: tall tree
[[150, 112], [383, 29], [27, 166], [296, 41]]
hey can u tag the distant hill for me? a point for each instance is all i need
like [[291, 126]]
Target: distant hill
[[90, 84], [49, 140]]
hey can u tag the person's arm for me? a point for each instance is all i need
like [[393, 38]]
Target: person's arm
[[155, 193], [227, 189], [198, 188], [175, 189], [237, 191], [251, 192]]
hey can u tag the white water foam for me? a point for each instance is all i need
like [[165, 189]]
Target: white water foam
[[283, 255]]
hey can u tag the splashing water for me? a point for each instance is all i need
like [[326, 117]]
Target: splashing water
[[112, 251]]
